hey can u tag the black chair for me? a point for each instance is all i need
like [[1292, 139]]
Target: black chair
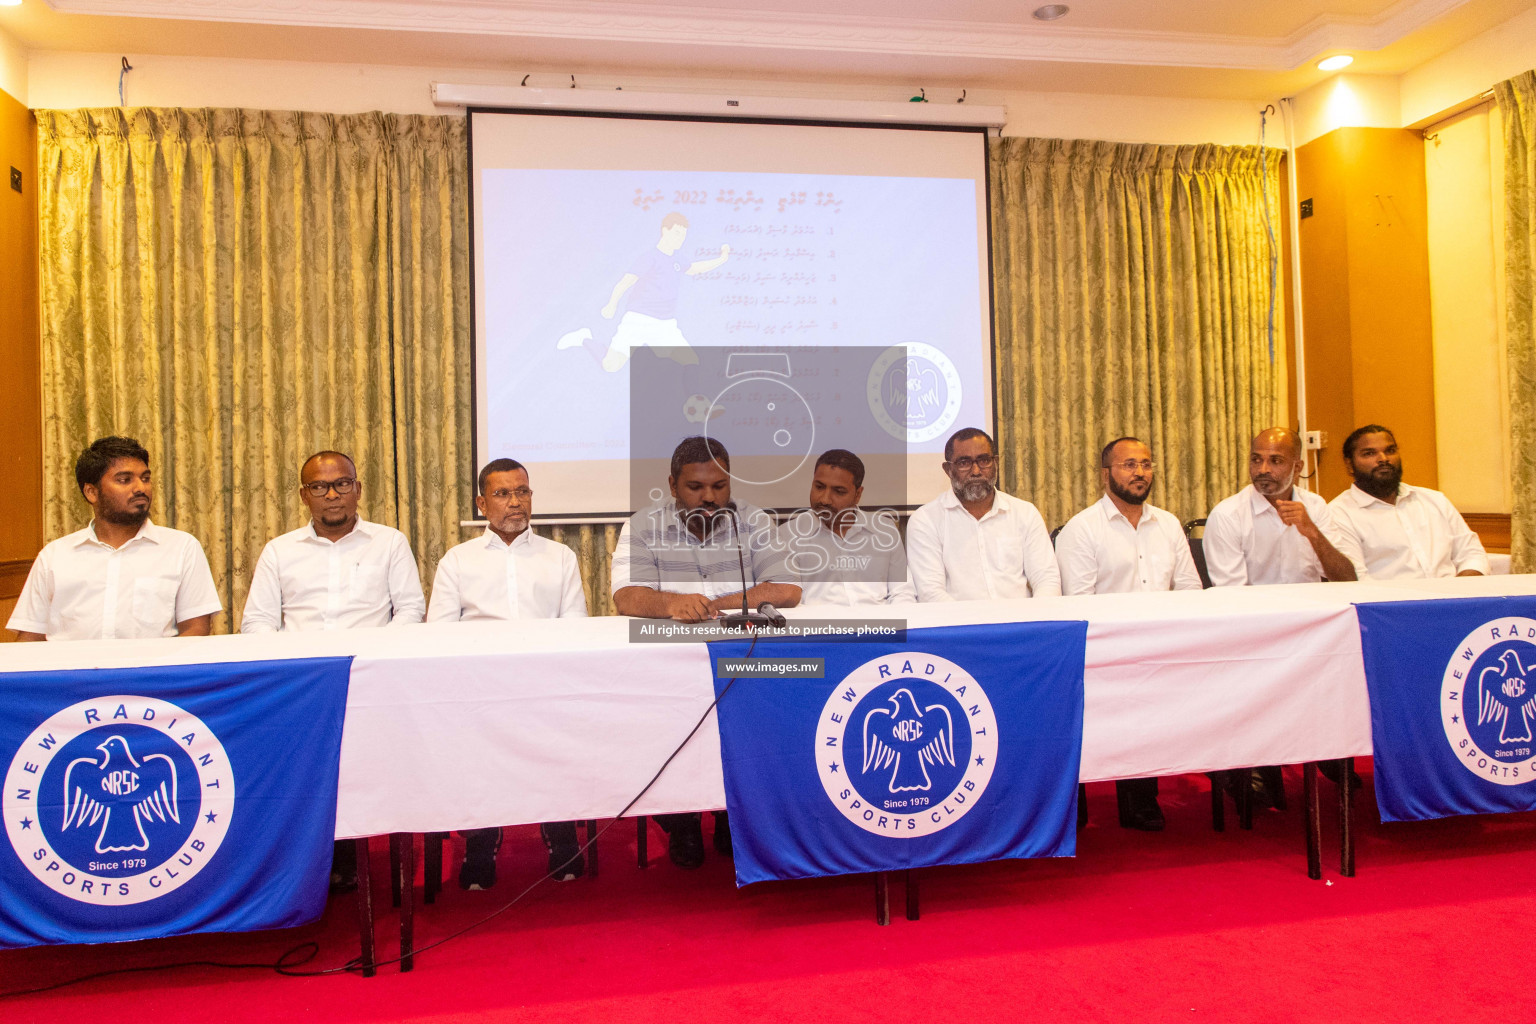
[[1239, 780]]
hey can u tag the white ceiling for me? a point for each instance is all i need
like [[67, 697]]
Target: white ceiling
[[1236, 48]]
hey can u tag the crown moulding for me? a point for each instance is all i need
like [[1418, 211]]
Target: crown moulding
[[653, 24]]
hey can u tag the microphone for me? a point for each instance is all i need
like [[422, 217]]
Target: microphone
[[775, 617], [746, 618]]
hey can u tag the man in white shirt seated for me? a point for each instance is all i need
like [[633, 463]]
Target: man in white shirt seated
[[683, 558], [1118, 545], [122, 577], [975, 543], [338, 571], [1271, 531], [1392, 531], [842, 554], [509, 572]]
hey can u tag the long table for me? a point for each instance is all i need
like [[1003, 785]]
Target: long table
[[468, 725]]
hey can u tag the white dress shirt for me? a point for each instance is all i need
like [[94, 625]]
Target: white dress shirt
[[1246, 543], [81, 588], [866, 565], [953, 556], [1100, 553], [485, 578], [1420, 537], [304, 582]]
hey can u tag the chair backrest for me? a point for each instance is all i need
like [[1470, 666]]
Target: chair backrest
[[1195, 531]]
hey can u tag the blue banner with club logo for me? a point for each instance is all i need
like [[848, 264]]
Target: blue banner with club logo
[[956, 746], [166, 800], [1453, 705]]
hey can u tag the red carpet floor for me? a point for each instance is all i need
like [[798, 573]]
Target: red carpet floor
[[1185, 925]]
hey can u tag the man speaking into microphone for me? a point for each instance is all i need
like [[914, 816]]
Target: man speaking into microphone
[[688, 558]]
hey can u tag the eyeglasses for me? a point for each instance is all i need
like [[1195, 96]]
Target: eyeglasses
[[1132, 465], [521, 494], [319, 487], [964, 463]]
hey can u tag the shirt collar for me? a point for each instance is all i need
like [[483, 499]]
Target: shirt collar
[[146, 533], [1364, 500], [1111, 512], [949, 499], [1260, 504], [362, 528], [495, 543]]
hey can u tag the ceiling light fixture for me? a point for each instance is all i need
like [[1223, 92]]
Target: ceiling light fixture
[[1050, 12], [1342, 60]]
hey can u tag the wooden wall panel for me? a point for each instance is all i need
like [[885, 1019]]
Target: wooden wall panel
[[21, 453], [1365, 294]]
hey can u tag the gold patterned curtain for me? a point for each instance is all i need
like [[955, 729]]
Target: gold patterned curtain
[[1517, 105], [238, 289], [1132, 289]]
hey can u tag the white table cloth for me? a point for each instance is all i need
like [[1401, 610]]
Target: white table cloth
[[463, 725]]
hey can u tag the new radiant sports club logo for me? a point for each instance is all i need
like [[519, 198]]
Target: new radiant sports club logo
[[1488, 701], [906, 744], [118, 800]]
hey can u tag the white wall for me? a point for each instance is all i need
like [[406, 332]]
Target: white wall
[[1463, 167], [1474, 67], [60, 80], [1347, 101], [13, 67]]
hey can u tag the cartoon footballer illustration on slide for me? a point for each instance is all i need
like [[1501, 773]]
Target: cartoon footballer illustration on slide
[[651, 287]]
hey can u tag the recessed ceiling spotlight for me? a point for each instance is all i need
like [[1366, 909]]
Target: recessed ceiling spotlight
[[1050, 12], [1342, 60]]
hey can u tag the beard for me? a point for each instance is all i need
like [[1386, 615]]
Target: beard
[[1270, 487], [1127, 495], [1379, 484], [975, 489], [125, 516], [705, 519]]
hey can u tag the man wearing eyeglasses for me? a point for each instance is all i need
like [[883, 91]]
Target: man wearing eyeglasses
[[975, 543], [338, 571], [1118, 545], [509, 572]]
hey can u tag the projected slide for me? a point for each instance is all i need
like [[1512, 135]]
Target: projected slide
[[586, 269], [611, 253]]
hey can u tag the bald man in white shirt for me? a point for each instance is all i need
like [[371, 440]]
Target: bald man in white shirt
[[338, 571], [1121, 544], [509, 572], [122, 577], [1271, 531], [1392, 531]]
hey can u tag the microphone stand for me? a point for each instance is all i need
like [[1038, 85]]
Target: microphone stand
[[746, 619]]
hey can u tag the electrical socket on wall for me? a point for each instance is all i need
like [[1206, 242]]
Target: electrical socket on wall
[[16, 178], [1316, 440]]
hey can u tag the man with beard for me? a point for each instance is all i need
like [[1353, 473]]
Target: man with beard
[[682, 559], [338, 571], [1392, 531], [975, 543], [509, 572], [1271, 532], [122, 577], [1120, 544], [842, 554]]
